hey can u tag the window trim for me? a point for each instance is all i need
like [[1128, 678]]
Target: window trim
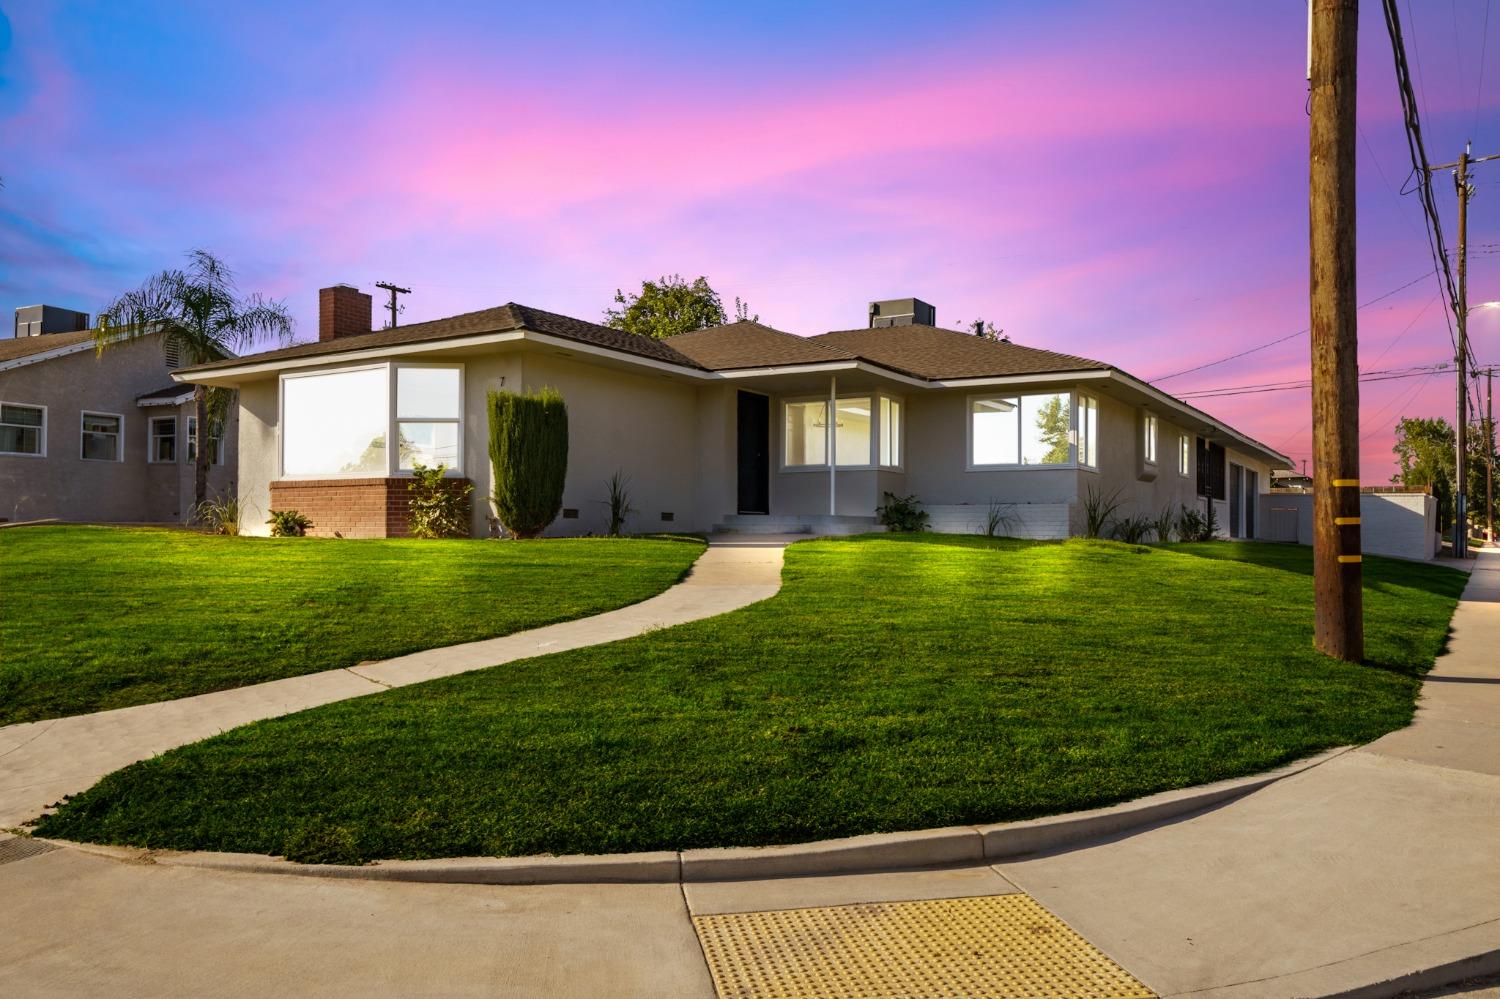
[[119, 435], [393, 454], [1150, 438], [1071, 463], [392, 421], [879, 427], [41, 432], [871, 457], [190, 443], [1184, 456], [151, 422], [1077, 433]]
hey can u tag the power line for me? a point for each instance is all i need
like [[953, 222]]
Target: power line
[[1484, 45], [1284, 339], [1391, 374]]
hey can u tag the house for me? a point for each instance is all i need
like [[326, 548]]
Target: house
[[90, 436], [738, 426]]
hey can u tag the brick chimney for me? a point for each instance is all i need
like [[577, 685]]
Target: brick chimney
[[343, 310]]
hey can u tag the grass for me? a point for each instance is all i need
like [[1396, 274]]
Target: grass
[[104, 617], [894, 683]]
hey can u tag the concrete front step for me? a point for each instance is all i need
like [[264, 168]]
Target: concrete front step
[[811, 524]]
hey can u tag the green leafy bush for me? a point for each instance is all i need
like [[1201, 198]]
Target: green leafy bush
[[1133, 530], [529, 454], [288, 524], [437, 509], [902, 514], [1193, 525]]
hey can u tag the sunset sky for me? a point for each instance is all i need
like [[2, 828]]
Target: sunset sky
[[1125, 181]]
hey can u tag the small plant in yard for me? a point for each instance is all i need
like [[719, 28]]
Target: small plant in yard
[[437, 510], [618, 503], [1133, 530], [902, 514], [220, 514], [529, 455], [1099, 509], [1193, 525], [998, 519], [1164, 524], [288, 524]]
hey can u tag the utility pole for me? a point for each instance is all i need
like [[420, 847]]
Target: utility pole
[[1337, 571], [393, 307], [1489, 465]]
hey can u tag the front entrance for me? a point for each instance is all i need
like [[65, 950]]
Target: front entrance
[[754, 437]]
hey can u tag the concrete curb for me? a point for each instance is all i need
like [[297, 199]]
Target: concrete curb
[[853, 855]]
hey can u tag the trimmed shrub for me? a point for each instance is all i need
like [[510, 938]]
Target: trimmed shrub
[[529, 455], [437, 510], [902, 514], [288, 524]]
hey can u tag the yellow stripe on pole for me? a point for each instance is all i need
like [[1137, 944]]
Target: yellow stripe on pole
[[1346, 482], [1351, 558], [1344, 521]]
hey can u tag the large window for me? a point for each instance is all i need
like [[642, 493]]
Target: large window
[[1088, 431], [339, 423], [100, 438], [162, 446], [428, 405], [890, 432], [1020, 429], [1148, 443], [23, 429], [807, 433]]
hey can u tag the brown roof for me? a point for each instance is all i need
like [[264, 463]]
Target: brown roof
[[498, 320], [931, 352], [747, 344], [173, 391], [25, 346]]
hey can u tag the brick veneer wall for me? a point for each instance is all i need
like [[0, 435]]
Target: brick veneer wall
[[352, 508]]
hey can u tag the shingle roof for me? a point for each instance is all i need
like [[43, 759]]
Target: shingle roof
[[167, 394], [25, 346], [747, 344], [931, 352], [498, 320]]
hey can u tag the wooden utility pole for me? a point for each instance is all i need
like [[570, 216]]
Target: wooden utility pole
[[1461, 428], [1337, 571], [393, 307]]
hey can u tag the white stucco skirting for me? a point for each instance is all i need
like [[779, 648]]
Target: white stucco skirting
[[853, 855]]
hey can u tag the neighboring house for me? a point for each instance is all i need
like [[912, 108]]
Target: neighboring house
[[86, 436], [726, 426]]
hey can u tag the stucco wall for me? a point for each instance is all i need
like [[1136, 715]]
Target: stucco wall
[[63, 485], [1399, 524]]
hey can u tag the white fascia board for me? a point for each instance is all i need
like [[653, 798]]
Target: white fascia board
[[47, 355], [237, 372], [1009, 380], [1172, 402], [176, 400], [817, 367]]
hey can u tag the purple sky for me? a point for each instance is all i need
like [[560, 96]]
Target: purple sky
[[1122, 181]]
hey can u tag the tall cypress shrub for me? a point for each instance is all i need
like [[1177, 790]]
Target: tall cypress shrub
[[529, 458]]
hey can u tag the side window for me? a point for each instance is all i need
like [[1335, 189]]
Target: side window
[[23, 429]]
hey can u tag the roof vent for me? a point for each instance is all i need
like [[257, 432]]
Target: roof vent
[[902, 312], [39, 320]]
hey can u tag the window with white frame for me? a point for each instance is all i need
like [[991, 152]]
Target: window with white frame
[[23, 429], [1088, 431], [1184, 456], [807, 433], [339, 423], [429, 403], [162, 446], [1030, 429], [890, 432], [100, 437], [216, 456], [1148, 442]]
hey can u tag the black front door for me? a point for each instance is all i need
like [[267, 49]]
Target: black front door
[[754, 453]]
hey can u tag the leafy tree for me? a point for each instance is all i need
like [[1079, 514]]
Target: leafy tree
[[529, 456], [670, 306], [199, 312], [1052, 429], [1424, 452]]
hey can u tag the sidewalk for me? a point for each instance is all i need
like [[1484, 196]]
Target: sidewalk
[[40, 762]]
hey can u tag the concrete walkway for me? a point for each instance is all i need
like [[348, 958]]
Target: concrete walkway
[[40, 762]]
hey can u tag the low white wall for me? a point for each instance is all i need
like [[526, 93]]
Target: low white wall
[[1041, 521], [1399, 524]]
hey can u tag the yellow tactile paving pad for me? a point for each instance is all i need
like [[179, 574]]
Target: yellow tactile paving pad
[[953, 948]]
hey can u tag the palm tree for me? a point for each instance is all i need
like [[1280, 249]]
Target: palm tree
[[199, 312]]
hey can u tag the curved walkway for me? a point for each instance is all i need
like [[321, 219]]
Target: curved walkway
[[41, 762]]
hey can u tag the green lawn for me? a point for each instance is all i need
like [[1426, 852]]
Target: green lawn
[[894, 683], [104, 617]]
